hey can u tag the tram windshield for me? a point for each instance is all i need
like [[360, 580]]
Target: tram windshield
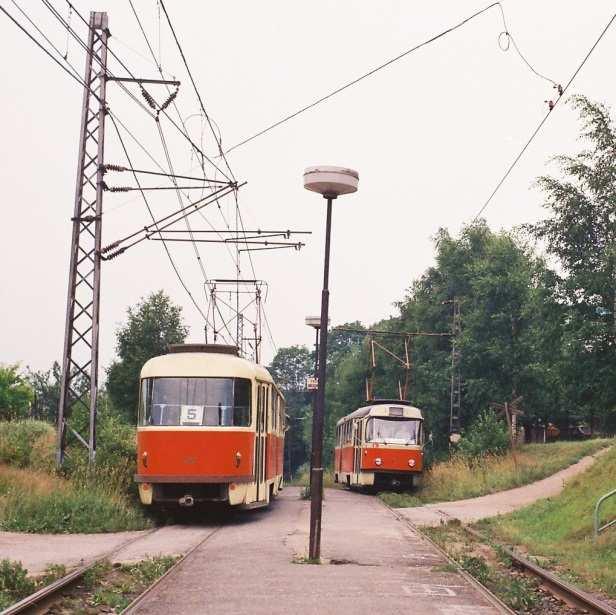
[[393, 431], [211, 402]]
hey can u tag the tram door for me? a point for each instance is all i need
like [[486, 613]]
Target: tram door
[[261, 439], [357, 447]]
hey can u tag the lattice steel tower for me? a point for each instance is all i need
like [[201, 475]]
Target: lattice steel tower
[[456, 378], [79, 383]]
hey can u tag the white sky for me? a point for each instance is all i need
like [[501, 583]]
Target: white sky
[[430, 136]]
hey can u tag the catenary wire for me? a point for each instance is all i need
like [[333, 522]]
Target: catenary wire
[[145, 200], [542, 122], [66, 70], [59, 17], [157, 63], [355, 81]]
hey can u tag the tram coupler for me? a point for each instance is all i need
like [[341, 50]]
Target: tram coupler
[[186, 501]]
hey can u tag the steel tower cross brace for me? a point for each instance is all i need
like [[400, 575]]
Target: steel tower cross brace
[[79, 384]]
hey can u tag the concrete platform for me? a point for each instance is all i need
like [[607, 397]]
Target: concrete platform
[[377, 564]]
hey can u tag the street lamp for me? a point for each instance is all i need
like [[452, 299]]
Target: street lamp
[[331, 182]]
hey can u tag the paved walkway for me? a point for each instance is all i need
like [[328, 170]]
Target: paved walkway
[[375, 564], [500, 503], [37, 551]]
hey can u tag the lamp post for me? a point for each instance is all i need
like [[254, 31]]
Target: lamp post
[[330, 182]]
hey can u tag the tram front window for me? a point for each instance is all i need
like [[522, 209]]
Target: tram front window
[[393, 431], [207, 402]]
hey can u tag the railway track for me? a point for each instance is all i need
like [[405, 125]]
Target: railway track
[[143, 595], [558, 587], [490, 597], [44, 597]]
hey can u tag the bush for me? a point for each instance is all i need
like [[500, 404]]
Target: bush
[[14, 583], [27, 444], [487, 435]]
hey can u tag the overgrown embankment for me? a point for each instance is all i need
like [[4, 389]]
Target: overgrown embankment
[[462, 477], [34, 498], [559, 530]]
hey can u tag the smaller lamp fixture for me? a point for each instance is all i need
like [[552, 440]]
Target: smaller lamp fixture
[[331, 182], [378, 461], [313, 321], [412, 463]]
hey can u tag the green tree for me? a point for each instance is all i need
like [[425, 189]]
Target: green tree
[[16, 394], [153, 324], [290, 369], [581, 233]]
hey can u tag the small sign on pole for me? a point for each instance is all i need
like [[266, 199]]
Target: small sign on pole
[[312, 384]]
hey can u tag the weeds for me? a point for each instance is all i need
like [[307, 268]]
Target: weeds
[[519, 593], [476, 567], [14, 583], [495, 573], [103, 586]]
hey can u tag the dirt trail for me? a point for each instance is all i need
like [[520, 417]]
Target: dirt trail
[[499, 503]]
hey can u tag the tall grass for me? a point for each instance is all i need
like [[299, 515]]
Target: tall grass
[[460, 478], [35, 498]]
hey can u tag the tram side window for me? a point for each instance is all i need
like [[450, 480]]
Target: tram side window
[[223, 402]]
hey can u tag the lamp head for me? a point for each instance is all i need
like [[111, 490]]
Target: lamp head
[[331, 182], [313, 321]]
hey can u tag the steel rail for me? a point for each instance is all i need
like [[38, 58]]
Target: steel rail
[[47, 594], [492, 598], [143, 595], [561, 589]]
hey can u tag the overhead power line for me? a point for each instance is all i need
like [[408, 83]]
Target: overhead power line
[[543, 120], [207, 117], [64, 68], [380, 67]]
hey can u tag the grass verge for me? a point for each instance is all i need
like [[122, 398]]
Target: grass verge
[[559, 530], [459, 478], [32, 501]]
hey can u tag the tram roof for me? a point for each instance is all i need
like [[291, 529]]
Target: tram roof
[[384, 407], [203, 365]]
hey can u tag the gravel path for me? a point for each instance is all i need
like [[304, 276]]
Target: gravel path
[[502, 502]]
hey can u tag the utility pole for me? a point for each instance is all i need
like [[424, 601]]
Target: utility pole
[[79, 384], [456, 379]]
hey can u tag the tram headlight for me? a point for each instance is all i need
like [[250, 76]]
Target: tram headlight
[[412, 463], [378, 461]]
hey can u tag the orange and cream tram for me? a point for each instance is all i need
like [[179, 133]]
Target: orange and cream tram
[[380, 446], [211, 429]]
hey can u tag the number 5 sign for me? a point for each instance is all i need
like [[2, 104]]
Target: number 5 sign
[[191, 415]]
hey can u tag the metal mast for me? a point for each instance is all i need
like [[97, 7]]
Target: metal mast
[[79, 384], [456, 379]]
